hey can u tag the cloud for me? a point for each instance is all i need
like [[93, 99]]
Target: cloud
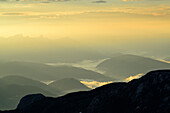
[[133, 77], [3, 0], [162, 60], [37, 0], [40, 15], [46, 2], [13, 14], [161, 10], [99, 1], [94, 84], [141, 0], [47, 82]]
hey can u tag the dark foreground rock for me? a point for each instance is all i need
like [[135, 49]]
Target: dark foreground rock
[[149, 94]]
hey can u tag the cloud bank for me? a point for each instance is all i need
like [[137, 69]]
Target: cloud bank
[[133, 77], [142, 0], [37, 0], [95, 84], [99, 1]]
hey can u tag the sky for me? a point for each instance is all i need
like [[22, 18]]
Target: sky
[[86, 19], [130, 26]]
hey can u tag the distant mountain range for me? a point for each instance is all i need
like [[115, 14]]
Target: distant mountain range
[[149, 94], [18, 79], [43, 72], [13, 88], [123, 66], [69, 85], [22, 78], [14, 79], [46, 50]]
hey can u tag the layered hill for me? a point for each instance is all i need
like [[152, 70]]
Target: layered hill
[[24, 81], [45, 72], [123, 66], [11, 94], [19, 80], [149, 94], [13, 88], [68, 85]]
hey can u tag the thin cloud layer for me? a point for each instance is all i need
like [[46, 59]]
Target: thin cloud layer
[[154, 11], [99, 1], [98, 18], [94, 84], [133, 77], [143, 0], [37, 0], [163, 60]]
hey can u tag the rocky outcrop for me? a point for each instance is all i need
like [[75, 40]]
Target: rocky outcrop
[[28, 100], [149, 94]]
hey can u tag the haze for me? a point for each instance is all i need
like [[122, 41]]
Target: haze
[[55, 47]]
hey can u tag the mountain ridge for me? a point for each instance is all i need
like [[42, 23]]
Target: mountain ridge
[[69, 85], [148, 94], [40, 71], [123, 66]]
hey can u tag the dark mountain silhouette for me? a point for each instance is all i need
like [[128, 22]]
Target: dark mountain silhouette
[[11, 94], [149, 94], [123, 66], [40, 71], [68, 85], [13, 88]]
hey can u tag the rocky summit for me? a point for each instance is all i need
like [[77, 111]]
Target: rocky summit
[[148, 94]]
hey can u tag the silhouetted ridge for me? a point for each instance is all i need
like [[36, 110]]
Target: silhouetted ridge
[[149, 94], [28, 100], [13, 88]]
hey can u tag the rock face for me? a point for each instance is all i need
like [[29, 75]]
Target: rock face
[[149, 94], [28, 100]]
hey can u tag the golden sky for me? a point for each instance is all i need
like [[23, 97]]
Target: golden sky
[[84, 19]]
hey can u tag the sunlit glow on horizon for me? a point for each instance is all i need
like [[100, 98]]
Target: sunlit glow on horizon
[[94, 84], [84, 19], [133, 77]]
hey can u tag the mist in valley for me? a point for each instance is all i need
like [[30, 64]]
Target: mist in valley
[[55, 67], [58, 47]]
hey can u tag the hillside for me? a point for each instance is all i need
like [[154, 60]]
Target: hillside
[[123, 66], [11, 94], [69, 85], [149, 94], [20, 80], [13, 88], [43, 72]]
